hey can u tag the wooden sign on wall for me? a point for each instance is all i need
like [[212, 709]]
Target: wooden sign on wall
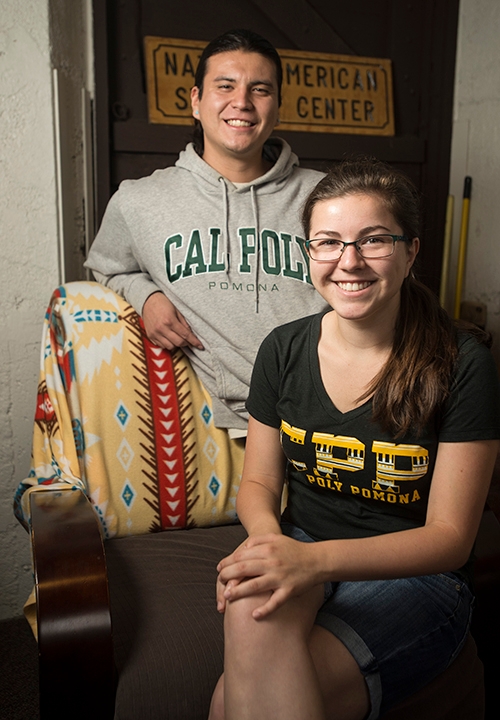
[[321, 92]]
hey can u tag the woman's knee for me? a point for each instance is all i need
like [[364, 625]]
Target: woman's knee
[[293, 620], [238, 617]]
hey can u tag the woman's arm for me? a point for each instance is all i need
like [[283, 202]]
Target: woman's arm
[[459, 487], [258, 503]]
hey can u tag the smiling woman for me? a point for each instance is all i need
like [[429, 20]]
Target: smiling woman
[[360, 287], [385, 418]]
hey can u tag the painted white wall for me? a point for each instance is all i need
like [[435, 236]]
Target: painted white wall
[[476, 152], [35, 37]]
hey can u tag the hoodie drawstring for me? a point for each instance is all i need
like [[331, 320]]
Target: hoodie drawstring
[[226, 222], [225, 205], [257, 245]]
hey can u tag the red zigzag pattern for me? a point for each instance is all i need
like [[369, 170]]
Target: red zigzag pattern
[[168, 438]]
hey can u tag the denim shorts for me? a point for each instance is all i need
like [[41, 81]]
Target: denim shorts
[[402, 633]]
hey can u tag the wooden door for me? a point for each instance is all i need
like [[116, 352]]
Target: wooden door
[[418, 37]]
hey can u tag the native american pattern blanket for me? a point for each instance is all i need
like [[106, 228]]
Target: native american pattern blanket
[[125, 421]]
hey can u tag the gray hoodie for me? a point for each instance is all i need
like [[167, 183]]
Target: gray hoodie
[[228, 256]]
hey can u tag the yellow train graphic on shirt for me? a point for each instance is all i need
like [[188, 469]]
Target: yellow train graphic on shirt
[[297, 436], [350, 453], [394, 462], [388, 471]]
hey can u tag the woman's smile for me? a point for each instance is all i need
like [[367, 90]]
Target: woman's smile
[[353, 286]]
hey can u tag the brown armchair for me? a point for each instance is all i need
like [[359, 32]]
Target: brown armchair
[[127, 533]]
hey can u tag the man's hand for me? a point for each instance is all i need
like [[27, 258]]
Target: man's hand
[[165, 326]]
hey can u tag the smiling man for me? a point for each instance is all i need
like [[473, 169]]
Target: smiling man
[[238, 110], [210, 251]]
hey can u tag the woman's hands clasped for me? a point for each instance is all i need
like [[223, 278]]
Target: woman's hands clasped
[[271, 563]]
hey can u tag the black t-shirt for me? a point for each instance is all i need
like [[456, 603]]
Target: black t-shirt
[[346, 476]]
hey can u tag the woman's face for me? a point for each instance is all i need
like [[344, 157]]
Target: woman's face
[[238, 108], [358, 288]]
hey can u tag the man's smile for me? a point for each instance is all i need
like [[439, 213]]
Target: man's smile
[[239, 123]]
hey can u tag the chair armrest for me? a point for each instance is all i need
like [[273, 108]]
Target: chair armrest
[[76, 667]]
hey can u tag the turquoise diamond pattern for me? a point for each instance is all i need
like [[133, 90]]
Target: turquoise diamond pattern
[[214, 486], [122, 415], [128, 494], [206, 414]]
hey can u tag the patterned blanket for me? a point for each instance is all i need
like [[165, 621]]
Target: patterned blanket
[[127, 422]]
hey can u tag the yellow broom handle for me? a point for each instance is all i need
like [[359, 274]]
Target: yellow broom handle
[[462, 249]]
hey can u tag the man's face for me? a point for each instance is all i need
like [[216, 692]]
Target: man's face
[[238, 108]]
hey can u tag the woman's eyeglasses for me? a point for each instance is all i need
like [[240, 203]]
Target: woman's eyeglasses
[[373, 246]]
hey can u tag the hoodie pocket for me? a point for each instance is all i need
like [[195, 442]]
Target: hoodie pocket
[[233, 370]]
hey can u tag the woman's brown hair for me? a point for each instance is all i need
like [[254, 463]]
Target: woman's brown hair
[[415, 381]]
